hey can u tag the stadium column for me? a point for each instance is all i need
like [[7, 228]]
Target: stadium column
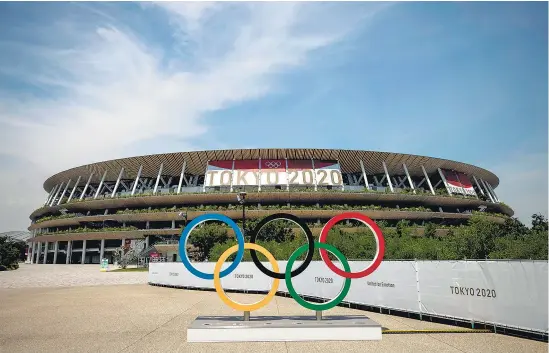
[[63, 193], [158, 178], [137, 179], [100, 185], [83, 260], [478, 186], [314, 173], [444, 181], [55, 250], [409, 178], [37, 253], [33, 246], [493, 191], [53, 191], [86, 187], [29, 247], [56, 193], [487, 190], [364, 175], [287, 178], [232, 173], [74, 189], [68, 252], [259, 176], [45, 252], [117, 182], [102, 251], [388, 177], [181, 177], [205, 176], [428, 180]]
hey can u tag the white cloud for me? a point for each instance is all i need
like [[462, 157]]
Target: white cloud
[[103, 88], [523, 184]]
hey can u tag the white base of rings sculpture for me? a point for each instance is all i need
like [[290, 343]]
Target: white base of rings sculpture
[[282, 328]]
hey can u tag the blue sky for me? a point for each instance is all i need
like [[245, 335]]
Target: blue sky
[[462, 80]]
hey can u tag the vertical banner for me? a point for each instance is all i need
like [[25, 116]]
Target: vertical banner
[[466, 184], [458, 183]]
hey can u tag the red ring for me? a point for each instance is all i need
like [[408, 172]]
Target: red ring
[[380, 244]]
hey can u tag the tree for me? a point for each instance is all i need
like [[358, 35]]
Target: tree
[[539, 222], [514, 228], [10, 253], [205, 237], [124, 256]]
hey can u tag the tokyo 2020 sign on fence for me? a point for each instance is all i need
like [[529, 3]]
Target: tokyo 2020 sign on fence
[[288, 273]]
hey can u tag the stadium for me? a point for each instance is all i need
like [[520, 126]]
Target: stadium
[[143, 202]]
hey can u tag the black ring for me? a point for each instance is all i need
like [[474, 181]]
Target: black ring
[[310, 239]]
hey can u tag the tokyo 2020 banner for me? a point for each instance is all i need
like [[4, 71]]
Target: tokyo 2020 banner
[[273, 172], [287, 274]]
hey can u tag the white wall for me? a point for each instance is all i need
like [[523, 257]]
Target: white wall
[[512, 294]]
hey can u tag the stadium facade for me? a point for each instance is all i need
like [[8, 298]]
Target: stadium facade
[[143, 202]]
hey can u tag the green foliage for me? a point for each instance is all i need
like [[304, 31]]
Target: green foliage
[[10, 253], [206, 236], [94, 230], [480, 239], [430, 230]]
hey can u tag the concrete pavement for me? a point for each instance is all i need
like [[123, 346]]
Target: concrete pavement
[[142, 318]]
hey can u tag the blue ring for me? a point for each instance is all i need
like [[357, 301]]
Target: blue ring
[[185, 236]]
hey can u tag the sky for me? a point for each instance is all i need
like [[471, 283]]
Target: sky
[[85, 82]]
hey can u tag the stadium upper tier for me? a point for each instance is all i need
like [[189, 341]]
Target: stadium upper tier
[[196, 164], [305, 175]]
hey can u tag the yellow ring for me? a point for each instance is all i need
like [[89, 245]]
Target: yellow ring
[[217, 280]]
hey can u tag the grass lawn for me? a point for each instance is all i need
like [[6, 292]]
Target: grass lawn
[[139, 269]]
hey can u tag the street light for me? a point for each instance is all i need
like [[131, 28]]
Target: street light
[[181, 214], [241, 197]]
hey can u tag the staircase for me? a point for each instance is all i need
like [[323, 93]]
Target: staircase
[[145, 252]]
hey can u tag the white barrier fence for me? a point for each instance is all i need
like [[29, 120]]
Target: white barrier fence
[[511, 294]]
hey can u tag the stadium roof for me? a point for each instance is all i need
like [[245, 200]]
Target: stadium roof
[[196, 163], [16, 235]]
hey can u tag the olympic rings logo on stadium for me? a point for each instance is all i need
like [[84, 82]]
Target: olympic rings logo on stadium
[[273, 164], [310, 247]]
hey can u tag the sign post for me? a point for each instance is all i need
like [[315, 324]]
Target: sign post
[[104, 265]]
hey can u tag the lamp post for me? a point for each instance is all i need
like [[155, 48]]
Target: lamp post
[[181, 214], [241, 197]]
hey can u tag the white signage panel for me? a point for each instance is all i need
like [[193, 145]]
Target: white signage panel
[[512, 294], [272, 172], [245, 172], [508, 293], [393, 285]]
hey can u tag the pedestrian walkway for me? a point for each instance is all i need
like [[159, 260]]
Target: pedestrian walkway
[[30, 276]]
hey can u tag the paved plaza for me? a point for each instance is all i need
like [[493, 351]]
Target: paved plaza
[[103, 313], [32, 276]]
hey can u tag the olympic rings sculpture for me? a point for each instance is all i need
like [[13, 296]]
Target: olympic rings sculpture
[[287, 275]]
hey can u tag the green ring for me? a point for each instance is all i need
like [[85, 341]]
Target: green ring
[[313, 306]]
